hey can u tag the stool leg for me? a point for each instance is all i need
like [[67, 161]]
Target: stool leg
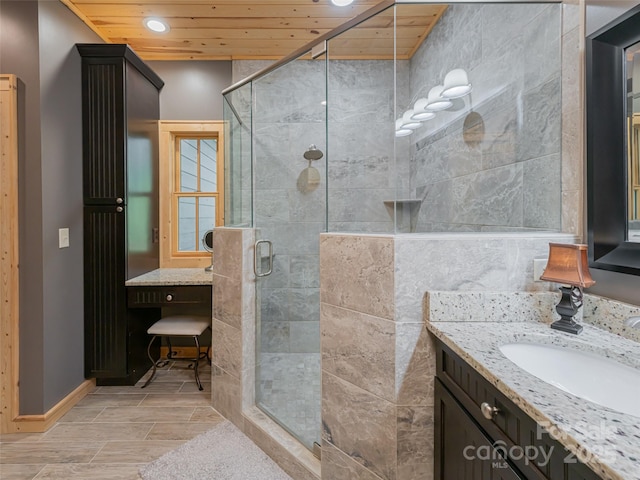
[[170, 353], [208, 353], [153, 372], [197, 361]]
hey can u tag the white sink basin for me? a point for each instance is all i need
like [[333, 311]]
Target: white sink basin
[[592, 377]]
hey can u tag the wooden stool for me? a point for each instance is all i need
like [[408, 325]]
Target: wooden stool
[[179, 326]]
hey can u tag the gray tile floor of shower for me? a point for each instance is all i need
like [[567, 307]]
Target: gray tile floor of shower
[[289, 391]]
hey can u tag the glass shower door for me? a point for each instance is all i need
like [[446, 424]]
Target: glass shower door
[[289, 159]]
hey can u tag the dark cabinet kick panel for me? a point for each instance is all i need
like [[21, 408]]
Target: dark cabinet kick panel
[[507, 445]]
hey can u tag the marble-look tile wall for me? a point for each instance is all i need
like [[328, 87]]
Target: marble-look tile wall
[[289, 210], [525, 174], [288, 116], [359, 410], [377, 357], [365, 167], [493, 161], [233, 324], [517, 177], [573, 155]]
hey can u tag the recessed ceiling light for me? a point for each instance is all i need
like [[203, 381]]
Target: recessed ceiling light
[[342, 3], [156, 25]]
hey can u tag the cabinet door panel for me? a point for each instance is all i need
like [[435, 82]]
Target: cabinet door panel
[[104, 126], [462, 451], [105, 295], [511, 428]]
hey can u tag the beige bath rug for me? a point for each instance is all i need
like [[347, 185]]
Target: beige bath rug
[[222, 453]]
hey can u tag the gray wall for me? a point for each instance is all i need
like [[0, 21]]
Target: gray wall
[[61, 113], [192, 89], [19, 55], [38, 45], [614, 285]]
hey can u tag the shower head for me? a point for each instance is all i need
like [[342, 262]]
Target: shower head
[[313, 153]]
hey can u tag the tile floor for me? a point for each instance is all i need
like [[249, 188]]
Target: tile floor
[[114, 431]]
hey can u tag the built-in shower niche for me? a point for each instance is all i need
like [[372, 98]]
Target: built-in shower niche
[[404, 213]]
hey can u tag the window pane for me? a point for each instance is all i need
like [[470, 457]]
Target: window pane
[[187, 224], [208, 165], [188, 165], [207, 215]]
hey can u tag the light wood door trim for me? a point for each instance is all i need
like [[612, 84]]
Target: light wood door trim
[[9, 285]]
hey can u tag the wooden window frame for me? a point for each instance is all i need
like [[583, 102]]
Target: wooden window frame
[[169, 177]]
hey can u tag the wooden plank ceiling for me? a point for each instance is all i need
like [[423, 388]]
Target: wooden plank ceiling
[[254, 29]]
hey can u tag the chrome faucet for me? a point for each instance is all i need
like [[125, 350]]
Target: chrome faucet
[[633, 322]]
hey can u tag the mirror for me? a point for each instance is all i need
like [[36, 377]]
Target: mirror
[[207, 241], [612, 144], [632, 55], [207, 244]]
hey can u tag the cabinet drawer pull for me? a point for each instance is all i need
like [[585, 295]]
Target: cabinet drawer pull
[[488, 411], [169, 297]]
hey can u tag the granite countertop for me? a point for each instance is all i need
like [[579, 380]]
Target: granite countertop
[[172, 276], [608, 441]]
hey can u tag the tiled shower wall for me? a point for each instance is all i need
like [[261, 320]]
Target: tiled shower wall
[[288, 117], [492, 162]]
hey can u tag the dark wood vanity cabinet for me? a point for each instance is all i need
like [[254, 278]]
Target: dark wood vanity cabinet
[[510, 445], [120, 111], [463, 450]]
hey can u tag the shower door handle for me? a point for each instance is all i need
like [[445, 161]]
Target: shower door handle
[[257, 259]]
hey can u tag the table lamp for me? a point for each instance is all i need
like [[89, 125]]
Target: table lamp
[[568, 265]]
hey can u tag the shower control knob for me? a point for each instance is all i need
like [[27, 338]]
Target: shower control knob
[[488, 411], [169, 297]]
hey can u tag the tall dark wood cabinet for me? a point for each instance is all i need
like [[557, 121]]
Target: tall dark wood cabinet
[[120, 102]]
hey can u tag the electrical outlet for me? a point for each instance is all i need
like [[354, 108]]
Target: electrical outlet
[[539, 264], [63, 238]]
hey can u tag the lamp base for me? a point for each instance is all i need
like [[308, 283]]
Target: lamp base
[[568, 326], [569, 304]]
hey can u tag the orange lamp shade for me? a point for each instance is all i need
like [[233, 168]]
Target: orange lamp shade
[[568, 265]]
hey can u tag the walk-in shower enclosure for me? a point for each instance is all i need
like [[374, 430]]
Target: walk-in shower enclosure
[[483, 155]]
